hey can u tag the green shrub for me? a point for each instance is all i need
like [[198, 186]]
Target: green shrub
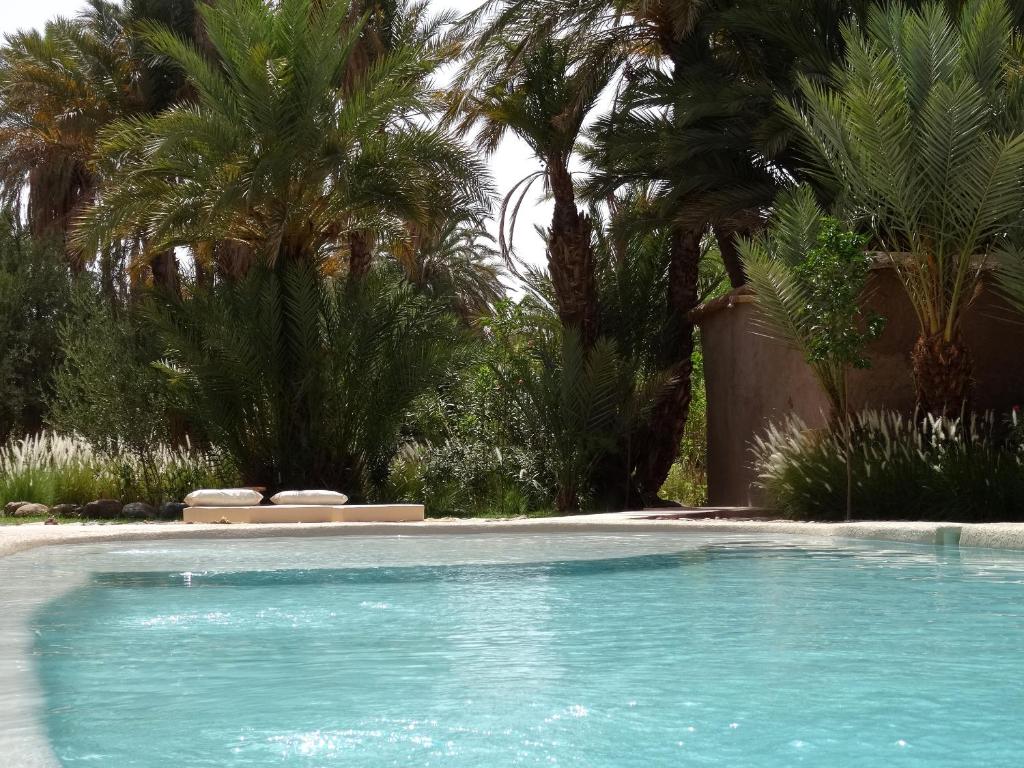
[[687, 481], [107, 389], [35, 287], [925, 468], [305, 381], [467, 479], [809, 274], [468, 450]]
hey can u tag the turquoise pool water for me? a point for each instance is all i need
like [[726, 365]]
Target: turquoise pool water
[[687, 653]]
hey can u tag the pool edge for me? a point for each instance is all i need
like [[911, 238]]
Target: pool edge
[[1009, 536]]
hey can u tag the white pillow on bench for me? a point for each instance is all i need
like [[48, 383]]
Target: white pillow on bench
[[322, 498], [224, 497]]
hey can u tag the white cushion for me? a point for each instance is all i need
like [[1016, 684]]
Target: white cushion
[[330, 498], [224, 497]]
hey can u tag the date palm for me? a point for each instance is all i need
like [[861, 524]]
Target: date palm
[[272, 154], [455, 260], [921, 136], [542, 88], [695, 120], [59, 89], [386, 26]]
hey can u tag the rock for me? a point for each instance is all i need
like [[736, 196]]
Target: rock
[[31, 510], [103, 509], [51, 520], [172, 510], [138, 510], [12, 506], [67, 510]]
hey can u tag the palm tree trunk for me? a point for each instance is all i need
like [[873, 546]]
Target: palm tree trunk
[[164, 266], [567, 500], [664, 430], [571, 257], [942, 375], [233, 260], [56, 195], [108, 288], [731, 256], [360, 255]]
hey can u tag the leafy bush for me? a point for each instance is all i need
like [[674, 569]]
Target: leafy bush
[[468, 449], [34, 296], [578, 407], [925, 468], [303, 380], [107, 389], [466, 479], [50, 469], [687, 481], [809, 275]]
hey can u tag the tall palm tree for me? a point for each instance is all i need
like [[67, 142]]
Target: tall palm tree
[[272, 154], [386, 26], [59, 89], [542, 89], [696, 119], [922, 138]]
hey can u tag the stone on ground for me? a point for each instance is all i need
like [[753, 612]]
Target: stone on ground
[[31, 510], [12, 506], [172, 510], [67, 510], [103, 509], [138, 510]]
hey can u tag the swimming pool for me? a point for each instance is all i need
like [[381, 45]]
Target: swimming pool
[[594, 651]]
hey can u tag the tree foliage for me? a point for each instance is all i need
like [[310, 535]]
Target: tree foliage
[[35, 292], [810, 278], [921, 137], [305, 381], [272, 153]]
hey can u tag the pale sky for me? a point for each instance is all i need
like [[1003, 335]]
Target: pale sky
[[511, 163]]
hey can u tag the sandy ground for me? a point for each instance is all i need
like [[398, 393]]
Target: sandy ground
[[996, 535]]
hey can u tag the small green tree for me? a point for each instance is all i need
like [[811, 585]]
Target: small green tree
[[106, 388], [809, 274]]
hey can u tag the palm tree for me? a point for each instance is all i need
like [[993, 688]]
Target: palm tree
[[695, 119], [59, 90], [305, 380], [543, 92], [272, 154], [455, 260], [386, 26], [921, 138]]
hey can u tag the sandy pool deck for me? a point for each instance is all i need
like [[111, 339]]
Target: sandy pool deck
[[18, 538]]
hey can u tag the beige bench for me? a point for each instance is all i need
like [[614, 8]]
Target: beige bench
[[308, 513]]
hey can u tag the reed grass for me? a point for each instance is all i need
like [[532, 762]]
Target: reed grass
[[903, 468], [50, 468]]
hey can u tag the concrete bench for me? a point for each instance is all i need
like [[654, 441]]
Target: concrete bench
[[308, 513]]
